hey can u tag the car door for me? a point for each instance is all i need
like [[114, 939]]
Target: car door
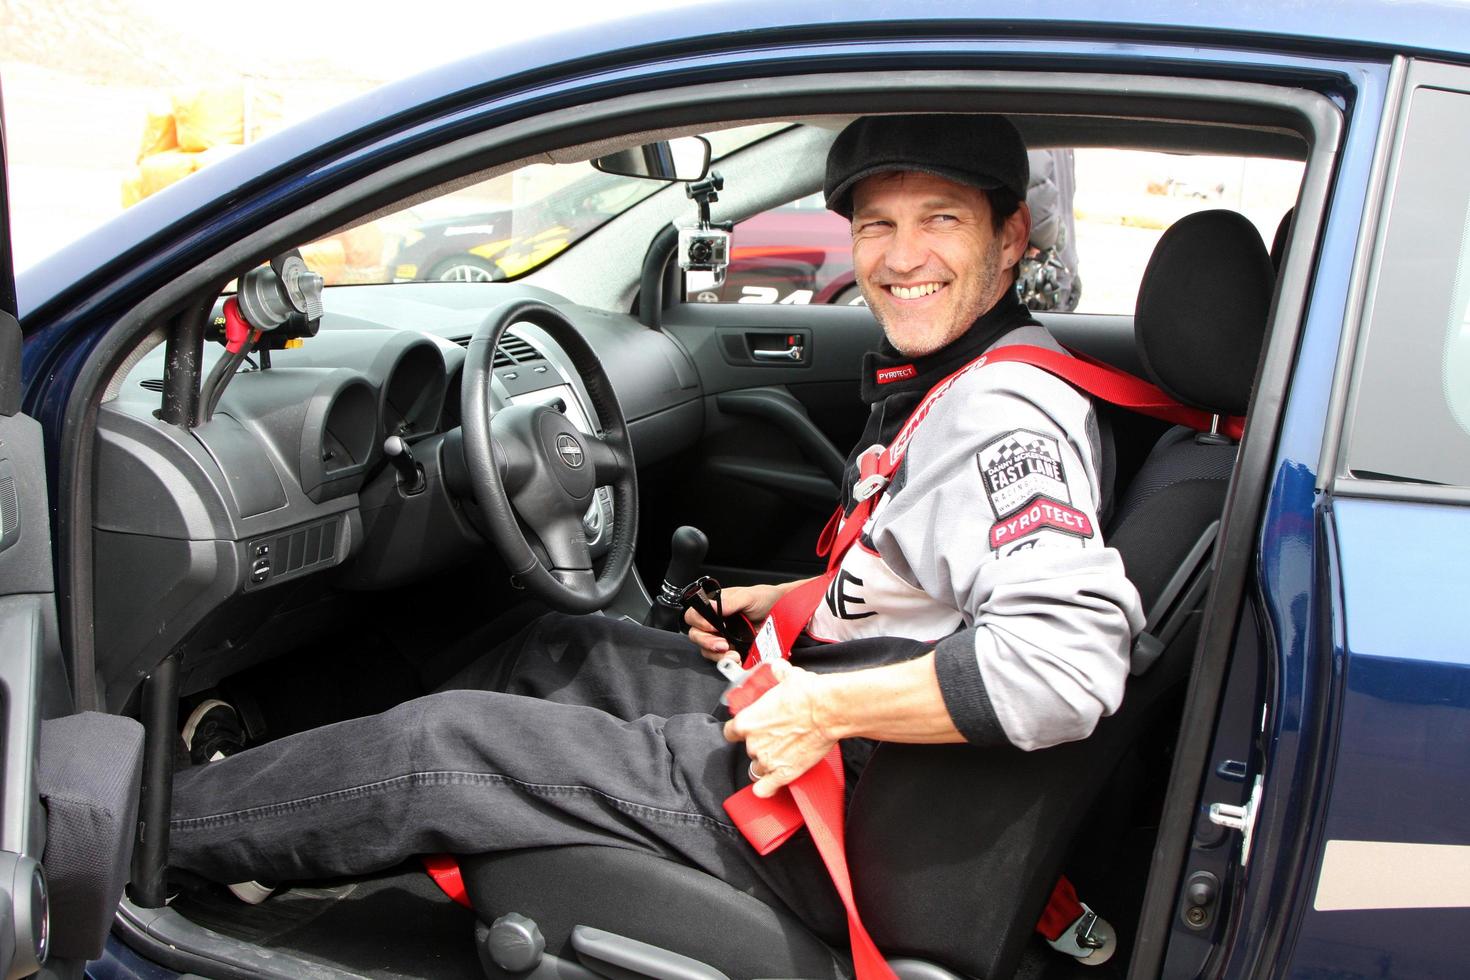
[[1390, 855], [70, 779], [26, 596]]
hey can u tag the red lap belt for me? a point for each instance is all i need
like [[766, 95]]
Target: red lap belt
[[816, 798]]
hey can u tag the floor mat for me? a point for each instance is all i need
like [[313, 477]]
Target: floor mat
[[393, 926]]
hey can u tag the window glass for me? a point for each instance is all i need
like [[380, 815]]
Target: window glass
[[1127, 198], [497, 229], [1120, 202], [1410, 410]]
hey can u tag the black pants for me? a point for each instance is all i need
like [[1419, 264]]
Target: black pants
[[578, 730]]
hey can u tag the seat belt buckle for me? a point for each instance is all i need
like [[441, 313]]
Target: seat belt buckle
[[729, 666], [868, 486], [1090, 938], [870, 481], [746, 686]]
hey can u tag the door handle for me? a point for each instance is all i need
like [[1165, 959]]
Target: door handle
[[789, 354]]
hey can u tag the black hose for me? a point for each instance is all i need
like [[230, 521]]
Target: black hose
[[219, 378]]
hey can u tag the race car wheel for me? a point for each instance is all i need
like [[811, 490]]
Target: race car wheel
[[535, 475], [465, 268]]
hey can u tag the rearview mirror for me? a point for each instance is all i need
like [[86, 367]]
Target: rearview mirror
[[683, 158]]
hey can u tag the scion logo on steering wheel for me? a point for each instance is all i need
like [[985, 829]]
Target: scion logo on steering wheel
[[569, 450]]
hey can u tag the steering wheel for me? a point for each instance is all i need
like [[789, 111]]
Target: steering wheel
[[533, 472]]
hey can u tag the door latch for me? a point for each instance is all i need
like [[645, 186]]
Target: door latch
[[1241, 818], [779, 348]]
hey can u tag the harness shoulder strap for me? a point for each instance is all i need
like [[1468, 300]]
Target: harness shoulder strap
[[1116, 387]]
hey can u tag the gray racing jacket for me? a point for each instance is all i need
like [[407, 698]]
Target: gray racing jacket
[[986, 543]]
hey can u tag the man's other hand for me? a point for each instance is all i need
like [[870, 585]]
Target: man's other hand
[[753, 601], [781, 731]]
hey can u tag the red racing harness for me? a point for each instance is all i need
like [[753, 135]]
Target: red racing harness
[[815, 799]]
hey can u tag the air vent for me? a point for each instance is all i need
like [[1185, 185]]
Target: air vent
[[512, 350], [152, 384]]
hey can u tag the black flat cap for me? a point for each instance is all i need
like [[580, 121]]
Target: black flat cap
[[981, 151]]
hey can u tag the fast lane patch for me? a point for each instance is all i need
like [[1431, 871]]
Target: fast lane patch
[[1019, 467]]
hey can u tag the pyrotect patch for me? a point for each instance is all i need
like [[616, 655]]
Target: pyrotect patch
[[1041, 515], [886, 376], [1019, 467]]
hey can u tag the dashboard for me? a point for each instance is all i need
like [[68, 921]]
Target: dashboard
[[216, 540]]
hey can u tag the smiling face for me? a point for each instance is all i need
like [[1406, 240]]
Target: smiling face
[[928, 258]]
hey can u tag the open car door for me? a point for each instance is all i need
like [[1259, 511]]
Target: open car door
[[69, 789]]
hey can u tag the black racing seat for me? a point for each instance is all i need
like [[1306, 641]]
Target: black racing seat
[[954, 850]]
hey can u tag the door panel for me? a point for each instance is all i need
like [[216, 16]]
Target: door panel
[[25, 585], [763, 481], [25, 593]]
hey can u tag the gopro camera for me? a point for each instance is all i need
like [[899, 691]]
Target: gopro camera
[[704, 250]]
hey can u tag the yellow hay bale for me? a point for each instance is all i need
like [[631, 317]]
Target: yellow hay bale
[[363, 246], [214, 154], [327, 257], [159, 132], [132, 188], [223, 114], [162, 169]]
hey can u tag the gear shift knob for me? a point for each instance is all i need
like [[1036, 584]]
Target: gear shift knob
[[686, 555]]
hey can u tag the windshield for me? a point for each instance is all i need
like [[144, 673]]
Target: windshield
[[498, 229]]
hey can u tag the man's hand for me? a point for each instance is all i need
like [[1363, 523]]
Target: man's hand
[[793, 725], [781, 731], [754, 601]]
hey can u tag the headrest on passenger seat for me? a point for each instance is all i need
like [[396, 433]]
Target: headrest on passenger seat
[[1201, 313]]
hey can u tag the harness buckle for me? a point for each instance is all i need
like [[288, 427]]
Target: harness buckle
[[868, 486], [1090, 939]]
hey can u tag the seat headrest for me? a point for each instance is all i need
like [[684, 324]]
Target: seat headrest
[[1201, 312]]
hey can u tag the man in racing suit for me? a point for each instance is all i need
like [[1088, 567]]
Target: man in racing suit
[[979, 604]]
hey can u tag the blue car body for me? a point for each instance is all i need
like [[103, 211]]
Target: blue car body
[[1369, 681]]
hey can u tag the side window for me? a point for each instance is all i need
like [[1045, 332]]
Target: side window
[[1126, 199], [1096, 216], [1409, 419]]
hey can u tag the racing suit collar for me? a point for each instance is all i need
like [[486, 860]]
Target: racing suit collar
[[886, 372], [891, 403]]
